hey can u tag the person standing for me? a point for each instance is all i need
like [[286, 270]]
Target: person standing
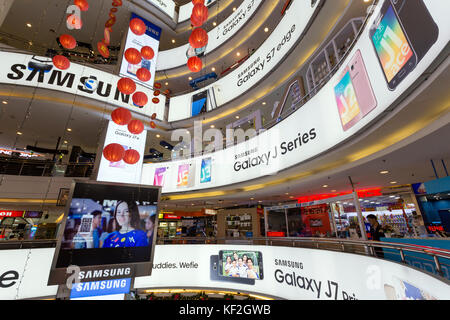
[[376, 232]]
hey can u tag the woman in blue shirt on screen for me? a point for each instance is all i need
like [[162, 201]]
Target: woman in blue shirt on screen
[[128, 234]]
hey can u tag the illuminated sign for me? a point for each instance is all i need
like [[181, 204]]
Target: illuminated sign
[[101, 288], [10, 213]]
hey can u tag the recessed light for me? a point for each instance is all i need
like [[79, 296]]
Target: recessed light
[[259, 201], [166, 83], [391, 196], [252, 198], [65, 141], [325, 186], [68, 129], [333, 190], [212, 126], [393, 182], [5, 102], [237, 117], [158, 136], [238, 54], [264, 103], [292, 197], [29, 25], [384, 172], [213, 69], [19, 133], [190, 78], [266, 29], [214, 23], [234, 9], [173, 40]]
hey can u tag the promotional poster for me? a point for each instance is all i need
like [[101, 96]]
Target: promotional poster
[[107, 225]]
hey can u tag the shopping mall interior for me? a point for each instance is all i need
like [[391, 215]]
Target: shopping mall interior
[[236, 141]]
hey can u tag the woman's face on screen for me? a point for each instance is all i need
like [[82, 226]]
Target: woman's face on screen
[[123, 214]]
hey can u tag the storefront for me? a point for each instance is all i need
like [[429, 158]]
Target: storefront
[[239, 223], [19, 225], [187, 224]]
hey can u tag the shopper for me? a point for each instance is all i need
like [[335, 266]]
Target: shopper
[[129, 235], [376, 232]]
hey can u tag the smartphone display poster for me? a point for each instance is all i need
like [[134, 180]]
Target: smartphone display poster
[[183, 175], [199, 103], [241, 264], [150, 38], [206, 170], [108, 224], [159, 176]]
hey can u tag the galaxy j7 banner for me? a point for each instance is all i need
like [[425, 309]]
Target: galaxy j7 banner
[[108, 231]]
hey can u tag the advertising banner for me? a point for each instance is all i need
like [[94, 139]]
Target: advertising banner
[[289, 273], [121, 171], [151, 39], [166, 6], [107, 233], [261, 62], [35, 71], [175, 57], [371, 78]]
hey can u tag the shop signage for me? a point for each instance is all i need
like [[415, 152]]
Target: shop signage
[[101, 288], [10, 213], [35, 71], [20, 153], [210, 211], [170, 216]]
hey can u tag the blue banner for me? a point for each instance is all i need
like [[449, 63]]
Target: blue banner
[[100, 288], [152, 30]]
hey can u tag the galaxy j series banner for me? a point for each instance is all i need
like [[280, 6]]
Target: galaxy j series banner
[[35, 71], [389, 57], [151, 39]]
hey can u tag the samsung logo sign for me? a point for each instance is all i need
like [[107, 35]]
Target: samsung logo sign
[[101, 288], [104, 273]]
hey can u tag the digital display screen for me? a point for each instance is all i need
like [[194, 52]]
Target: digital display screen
[[241, 264], [391, 44], [108, 224], [346, 99], [206, 170]]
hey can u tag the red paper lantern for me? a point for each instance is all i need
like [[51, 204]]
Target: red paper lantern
[[133, 56], [156, 93], [61, 62], [74, 21], [147, 53], [107, 36], [153, 117], [103, 49], [131, 156], [117, 3], [152, 124], [196, 22], [113, 10], [126, 86], [143, 74], [110, 22], [67, 41], [195, 64], [138, 26], [157, 85], [114, 152], [198, 38], [194, 2], [140, 99], [155, 100], [82, 4], [199, 13], [121, 116], [136, 127]]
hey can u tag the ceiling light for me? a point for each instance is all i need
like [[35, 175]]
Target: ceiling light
[[259, 201], [68, 129], [266, 29], [325, 186], [173, 40], [391, 196], [252, 198], [30, 43], [65, 141], [292, 197], [212, 126], [19, 133], [166, 83], [333, 190], [158, 136], [384, 172], [213, 69], [238, 54], [237, 117], [393, 182], [5, 102], [166, 147], [234, 9], [190, 78], [264, 103], [214, 23], [29, 25], [287, 193]]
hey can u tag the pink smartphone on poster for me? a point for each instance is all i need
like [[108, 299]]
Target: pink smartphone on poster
[[363, 89], [348, 107]]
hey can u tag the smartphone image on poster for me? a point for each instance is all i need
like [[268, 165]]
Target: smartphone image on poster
[[418, 24], [393, 48], [407, 291], [186, 175], [244, 264], [348, 107], [361, 84], [158, 179], [215, 273], [205, 174], [199, 103]]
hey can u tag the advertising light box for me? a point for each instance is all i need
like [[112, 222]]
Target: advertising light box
[[373, 76], [35, 71], [151, 39], [108, 232]]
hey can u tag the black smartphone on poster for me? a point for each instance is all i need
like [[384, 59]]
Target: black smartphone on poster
[[392, 45], [215, 274], [241, 264], [419, 25]]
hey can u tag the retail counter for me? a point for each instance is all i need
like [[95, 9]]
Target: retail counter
[[418, 260]]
